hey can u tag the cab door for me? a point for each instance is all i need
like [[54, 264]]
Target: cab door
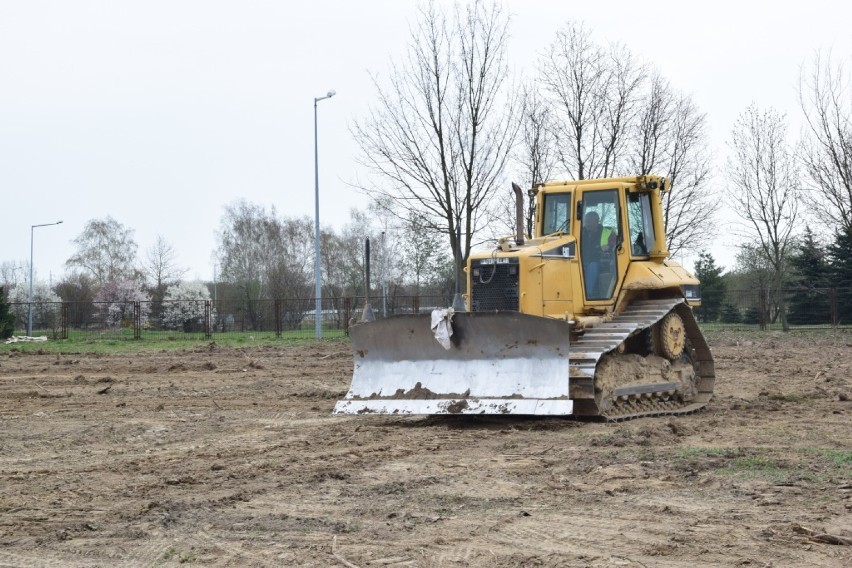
[[600, 243], [557, 259]]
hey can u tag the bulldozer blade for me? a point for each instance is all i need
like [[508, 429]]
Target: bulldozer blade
[[497, 363]]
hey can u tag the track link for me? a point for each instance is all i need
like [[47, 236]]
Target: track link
[[586, 353]]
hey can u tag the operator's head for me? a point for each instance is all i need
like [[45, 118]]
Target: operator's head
[[592, 220]]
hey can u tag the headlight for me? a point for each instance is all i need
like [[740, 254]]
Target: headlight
[[692, 292]]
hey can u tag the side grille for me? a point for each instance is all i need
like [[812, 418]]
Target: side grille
[[494, 286]]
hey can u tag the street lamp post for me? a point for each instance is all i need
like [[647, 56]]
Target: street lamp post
[[30, 303], [317, 281], [384, 281]]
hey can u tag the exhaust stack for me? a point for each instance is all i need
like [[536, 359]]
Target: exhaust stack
[[519, 214]]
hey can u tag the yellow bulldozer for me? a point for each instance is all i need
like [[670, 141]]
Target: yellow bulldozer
[[588, 316]]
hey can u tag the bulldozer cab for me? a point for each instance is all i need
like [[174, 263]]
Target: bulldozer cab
[[605, 226]]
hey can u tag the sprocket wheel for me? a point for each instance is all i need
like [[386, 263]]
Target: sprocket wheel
[[670, 337]]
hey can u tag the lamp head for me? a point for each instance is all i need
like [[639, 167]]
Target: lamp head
[[331, 93]]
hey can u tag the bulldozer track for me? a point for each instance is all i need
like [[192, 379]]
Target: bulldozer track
[[654, 400]]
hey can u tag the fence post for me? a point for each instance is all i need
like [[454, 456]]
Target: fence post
[[63, 321], [137, 320], [277, 316], [207, 319], [832, 306], [347, 313], [762, 308]]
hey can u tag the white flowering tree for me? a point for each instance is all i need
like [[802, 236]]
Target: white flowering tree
[[183, 306], [46, 306], [115, 301]]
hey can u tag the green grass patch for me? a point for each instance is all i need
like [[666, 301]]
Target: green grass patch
[[837, 458], [812, 465], [754, 463], [716, 327], [107, 346], [171, 554], [168, 554]]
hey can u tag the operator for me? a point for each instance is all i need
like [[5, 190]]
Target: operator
[[596, 242]]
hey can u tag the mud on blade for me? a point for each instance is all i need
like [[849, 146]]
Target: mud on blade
[[498, 363]]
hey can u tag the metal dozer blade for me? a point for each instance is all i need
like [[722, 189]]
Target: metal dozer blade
[[493, 363]]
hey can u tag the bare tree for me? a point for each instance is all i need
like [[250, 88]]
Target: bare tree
[[105, 250], [265, 256], [441, 132], [423, 256], [343, 255], [535, 156], [612, 116], [594, 92], [826, 150], [160, 267], [243, 246], [388, 243], [290, 264], [764, 184], [669, 138]]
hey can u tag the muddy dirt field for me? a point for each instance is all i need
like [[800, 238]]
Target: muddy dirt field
[[220, 456]]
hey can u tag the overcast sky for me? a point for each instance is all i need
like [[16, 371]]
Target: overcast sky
[[159, 113]]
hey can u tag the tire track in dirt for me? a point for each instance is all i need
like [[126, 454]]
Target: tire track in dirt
[[178, 460], [8, 559]]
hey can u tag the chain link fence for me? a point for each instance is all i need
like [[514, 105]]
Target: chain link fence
[[204, 319], [759, 309], [768, 309]]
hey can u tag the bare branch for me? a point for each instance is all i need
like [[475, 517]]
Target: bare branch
[[670, 139], [594, 92], [826, 149], [440, 135]]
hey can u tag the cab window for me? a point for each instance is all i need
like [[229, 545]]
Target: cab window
[[557, 213], [641, 223]]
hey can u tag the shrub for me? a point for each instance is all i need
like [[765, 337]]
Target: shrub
[[7, 318]]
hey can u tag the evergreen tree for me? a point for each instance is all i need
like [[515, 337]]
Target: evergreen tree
[[712, 288], [731, 314], [7, 318], [840, 270], [752, 315], [809, 301]]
